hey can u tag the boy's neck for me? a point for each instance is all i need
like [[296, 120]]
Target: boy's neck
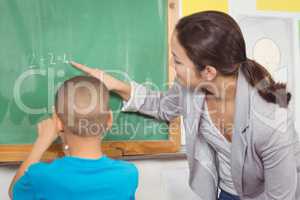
[[84, 147]]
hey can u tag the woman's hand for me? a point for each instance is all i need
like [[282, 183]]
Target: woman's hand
[[109, 81], [117, 86]]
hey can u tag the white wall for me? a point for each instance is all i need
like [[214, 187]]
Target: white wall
[[6, 174], [159, 180]]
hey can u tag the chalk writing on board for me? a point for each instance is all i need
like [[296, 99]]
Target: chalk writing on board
[[49, 59]]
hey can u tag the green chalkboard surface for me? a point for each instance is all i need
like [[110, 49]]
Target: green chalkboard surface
[[39, 37]]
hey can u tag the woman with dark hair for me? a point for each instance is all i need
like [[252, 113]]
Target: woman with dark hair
[[239, 132]]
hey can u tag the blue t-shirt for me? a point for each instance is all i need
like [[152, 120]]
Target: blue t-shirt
[[76, 178]]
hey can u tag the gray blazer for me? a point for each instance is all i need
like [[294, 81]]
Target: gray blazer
[[265, 158]]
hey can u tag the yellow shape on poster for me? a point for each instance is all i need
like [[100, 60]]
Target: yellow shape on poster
[[193, 6], [278, 5]]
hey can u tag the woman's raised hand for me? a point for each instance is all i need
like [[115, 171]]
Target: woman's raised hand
[[121, 88]]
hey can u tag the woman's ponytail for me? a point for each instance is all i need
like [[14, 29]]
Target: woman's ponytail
[[262, 80]]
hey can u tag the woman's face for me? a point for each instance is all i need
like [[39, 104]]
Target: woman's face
[[185, 69]]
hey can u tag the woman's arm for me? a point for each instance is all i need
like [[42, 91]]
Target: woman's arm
[[278, 157], [161, 105], [117, 86]]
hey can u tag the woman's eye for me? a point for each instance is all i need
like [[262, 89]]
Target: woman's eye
[[179, 63]]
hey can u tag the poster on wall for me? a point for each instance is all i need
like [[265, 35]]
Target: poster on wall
[[269, 41]]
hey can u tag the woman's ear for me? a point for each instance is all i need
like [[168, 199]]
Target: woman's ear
[[109, 121], [209, 73]]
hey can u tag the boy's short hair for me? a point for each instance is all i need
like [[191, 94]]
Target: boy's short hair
[[81, 103]]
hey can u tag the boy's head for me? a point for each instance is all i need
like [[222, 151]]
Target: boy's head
[[81, 104]]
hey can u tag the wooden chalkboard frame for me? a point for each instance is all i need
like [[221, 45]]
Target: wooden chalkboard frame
[[17, 153]]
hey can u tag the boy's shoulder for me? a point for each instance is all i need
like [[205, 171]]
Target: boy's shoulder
[[37, 167], [127, 172], [124, 165], [40, 168]]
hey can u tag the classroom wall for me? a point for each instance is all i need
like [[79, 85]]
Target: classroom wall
[[289, 69]]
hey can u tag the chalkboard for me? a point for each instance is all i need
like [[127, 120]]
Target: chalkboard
[[126, 38]]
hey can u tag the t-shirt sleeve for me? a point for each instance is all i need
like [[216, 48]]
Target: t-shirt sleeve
[[23, 188], [136, 177], [135, 180]]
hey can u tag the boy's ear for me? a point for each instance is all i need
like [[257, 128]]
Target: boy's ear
[[110, 120], [57, 121], [59, 125]]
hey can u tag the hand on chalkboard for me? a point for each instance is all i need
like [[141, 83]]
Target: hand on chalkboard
[[119, 87], [107, 79]]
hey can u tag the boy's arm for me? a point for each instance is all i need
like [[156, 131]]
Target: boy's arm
[[47, 133]]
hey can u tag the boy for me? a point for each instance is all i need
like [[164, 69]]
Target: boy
[[81, 117]]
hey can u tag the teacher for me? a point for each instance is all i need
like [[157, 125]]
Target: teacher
[[239, 131]]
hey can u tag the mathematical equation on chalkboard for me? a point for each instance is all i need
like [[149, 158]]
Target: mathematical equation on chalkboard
[[48, 59]]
